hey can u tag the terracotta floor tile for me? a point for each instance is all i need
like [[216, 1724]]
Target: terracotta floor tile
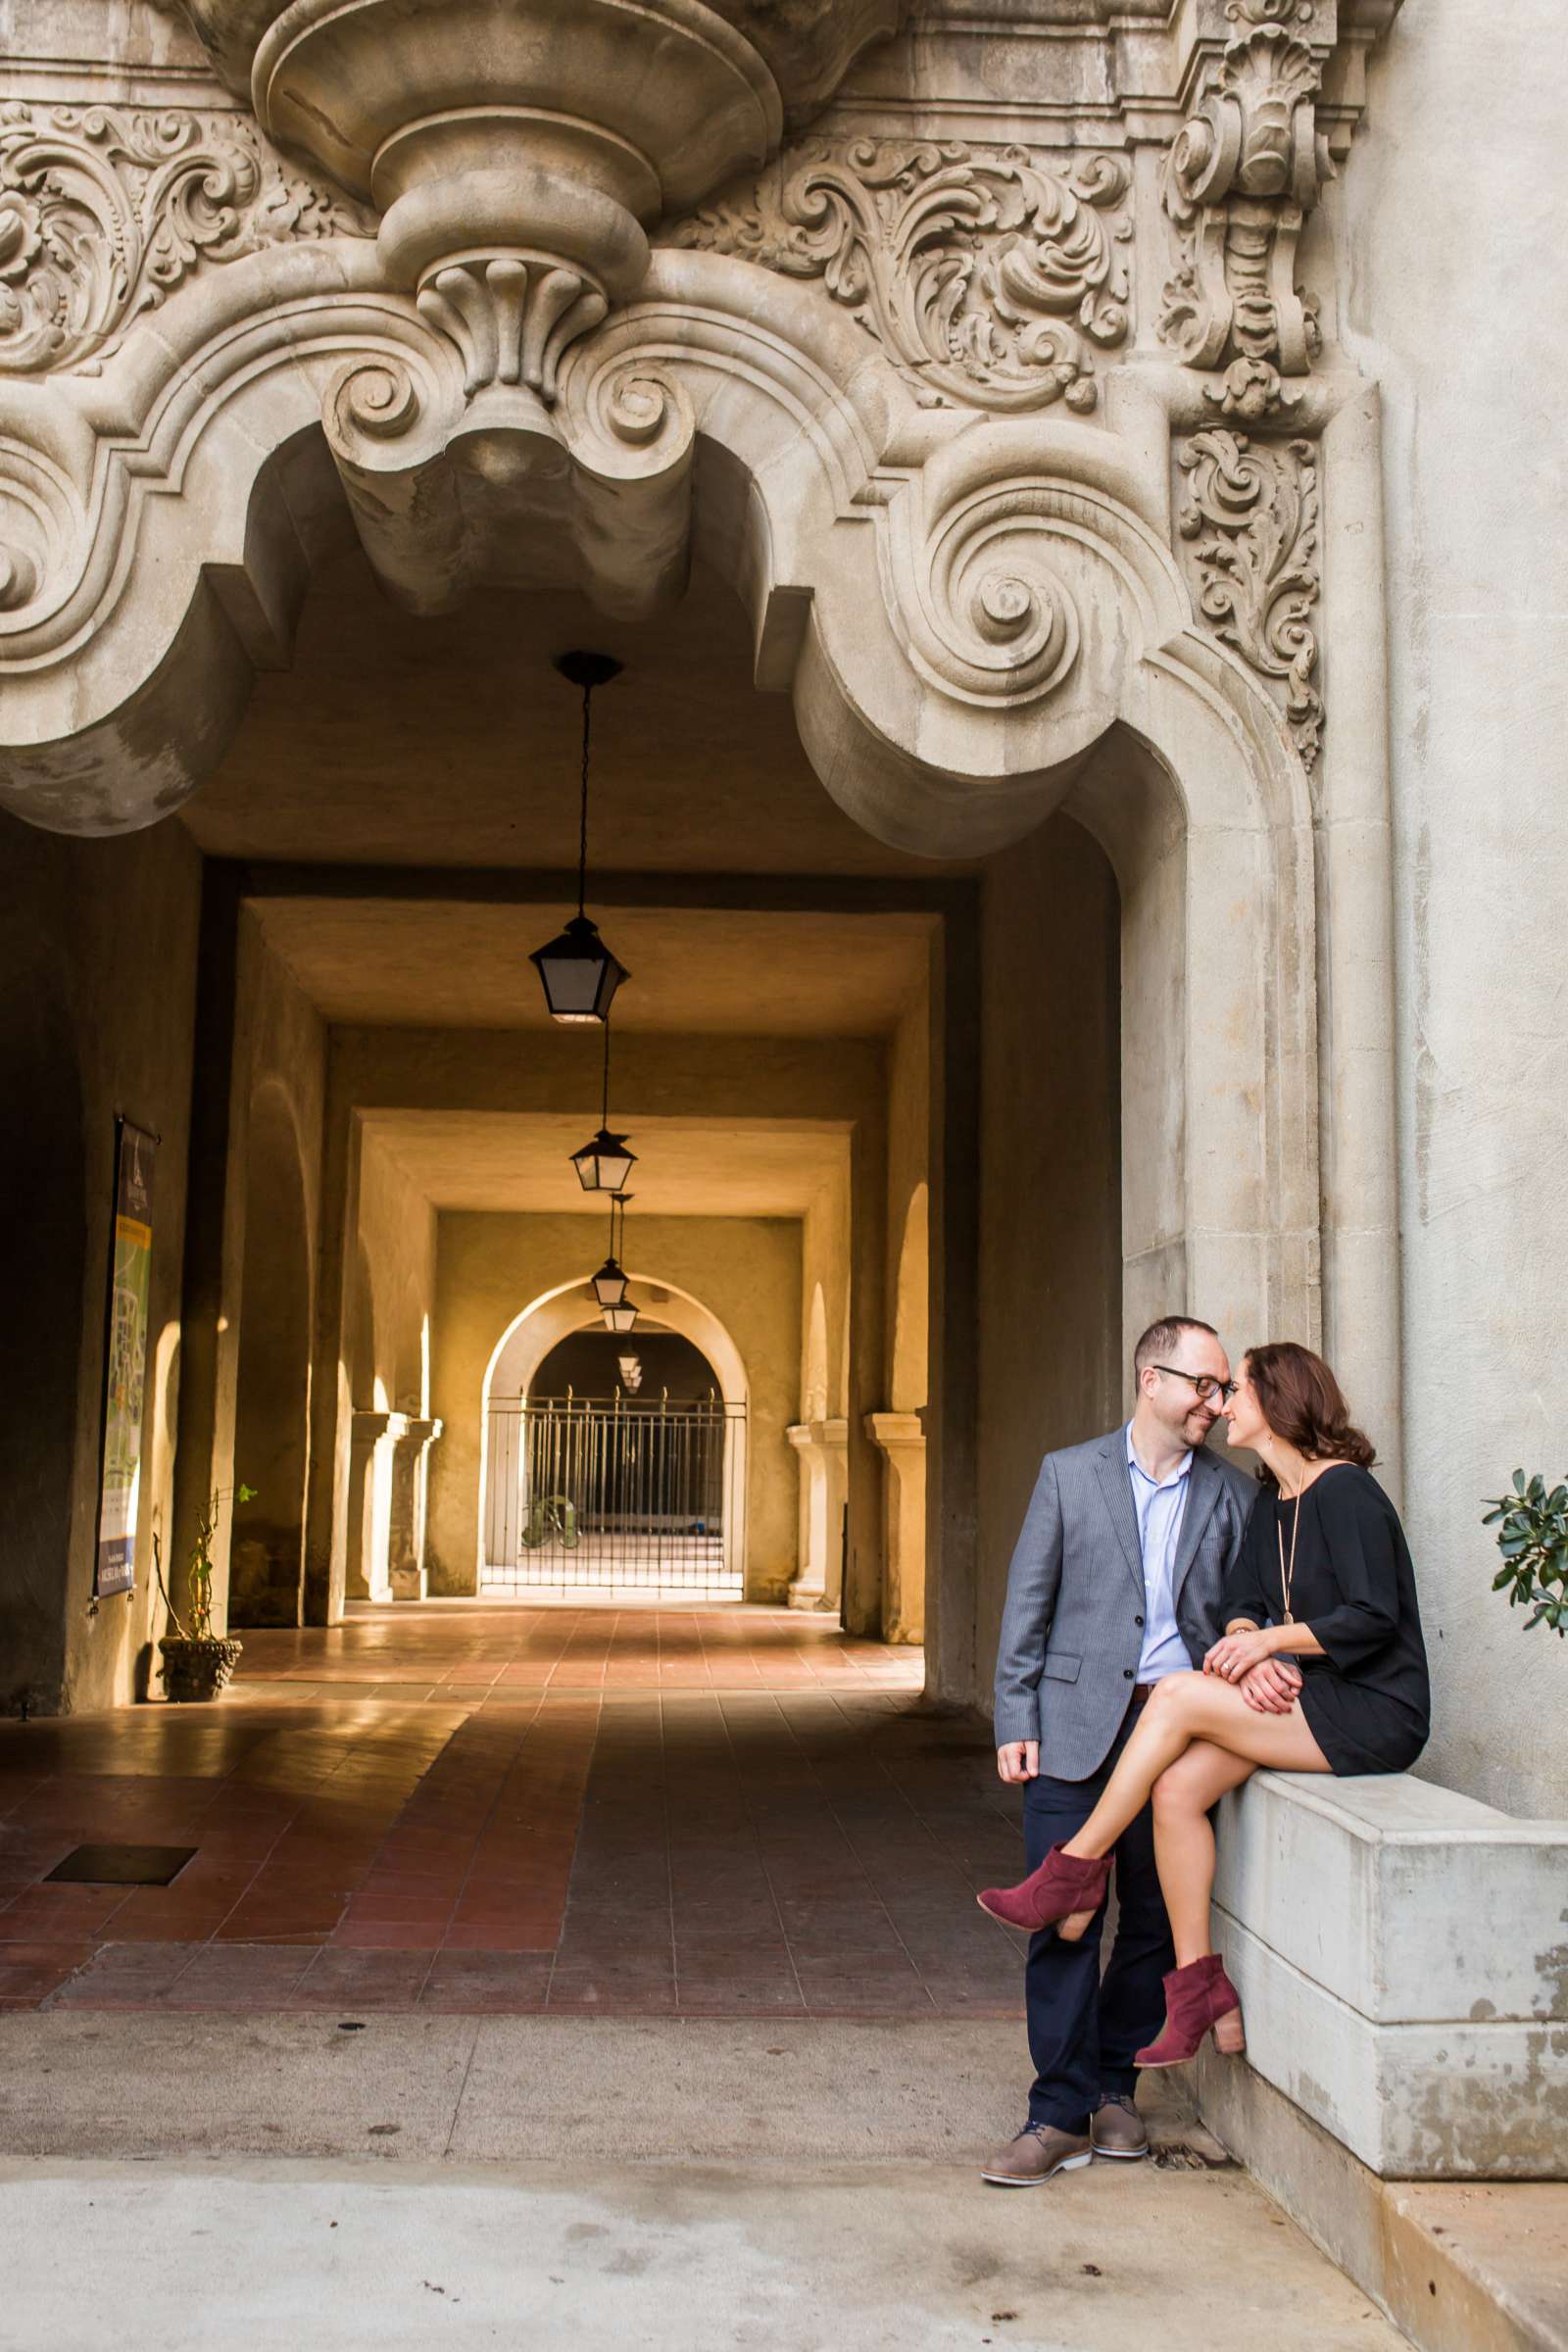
[[686, 1776], [395, 1935]]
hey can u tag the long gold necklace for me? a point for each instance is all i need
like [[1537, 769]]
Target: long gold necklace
[[1288, 1574]]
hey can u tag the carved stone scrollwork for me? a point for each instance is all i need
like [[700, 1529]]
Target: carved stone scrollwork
[[1249, 514], [992, 280], [104, 211], [1270, 12], [1240, 178]]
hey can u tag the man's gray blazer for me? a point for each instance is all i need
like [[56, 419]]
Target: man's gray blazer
[[1073, 1628]]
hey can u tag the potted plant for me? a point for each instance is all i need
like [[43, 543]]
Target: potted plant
[[196, 1661], [1532, 1538]]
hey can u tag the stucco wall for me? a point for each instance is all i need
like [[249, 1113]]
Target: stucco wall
[[397, 1234], [1050, 1210], [97, 974], [908, 1171], [271, 1240], [1450, 222], [490, 1267]]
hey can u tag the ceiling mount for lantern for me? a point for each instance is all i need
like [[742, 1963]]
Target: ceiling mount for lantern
[[603, 1162], [580, 975]]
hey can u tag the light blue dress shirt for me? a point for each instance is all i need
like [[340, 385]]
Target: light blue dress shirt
[[1161, 1506]]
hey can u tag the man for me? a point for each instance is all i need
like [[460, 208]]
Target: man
[[1116, 1581]]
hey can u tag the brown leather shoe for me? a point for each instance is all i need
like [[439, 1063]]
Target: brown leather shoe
[[1116, 2128], [1038, 2154]]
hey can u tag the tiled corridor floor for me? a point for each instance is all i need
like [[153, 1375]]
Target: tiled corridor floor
[[462, 1807]]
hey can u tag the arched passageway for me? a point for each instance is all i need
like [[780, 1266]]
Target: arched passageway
[[271, 1417], [615, 1467]]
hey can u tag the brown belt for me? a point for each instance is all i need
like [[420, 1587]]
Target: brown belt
[[1141, 1692]]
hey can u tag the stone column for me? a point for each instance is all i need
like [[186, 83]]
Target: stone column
[[411, 1449], [823, 1450], [902, 1438], [371, 1441]]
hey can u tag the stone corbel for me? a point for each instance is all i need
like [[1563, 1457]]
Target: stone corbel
[[1240, 178], [443, 447], [901, 1438], [517, 162], [411, 1449]]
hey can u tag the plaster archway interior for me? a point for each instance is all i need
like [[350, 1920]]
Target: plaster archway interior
[[271, 1417]]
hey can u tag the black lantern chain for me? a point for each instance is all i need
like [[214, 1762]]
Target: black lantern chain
[[578, 973]]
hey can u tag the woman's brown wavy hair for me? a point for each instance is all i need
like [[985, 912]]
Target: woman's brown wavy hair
[[1303, 1403]]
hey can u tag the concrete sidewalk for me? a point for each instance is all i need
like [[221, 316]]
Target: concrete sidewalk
[[292, 2256], [280, 2181]]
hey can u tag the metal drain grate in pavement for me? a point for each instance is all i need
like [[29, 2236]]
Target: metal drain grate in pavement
[[122, 1865]]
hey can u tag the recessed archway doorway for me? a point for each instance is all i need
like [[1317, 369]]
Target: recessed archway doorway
[[614, 1468]]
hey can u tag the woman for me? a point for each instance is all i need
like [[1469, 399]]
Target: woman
[[1323, 1584]]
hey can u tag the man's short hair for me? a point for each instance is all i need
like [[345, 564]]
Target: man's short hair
[[1162, 1336]]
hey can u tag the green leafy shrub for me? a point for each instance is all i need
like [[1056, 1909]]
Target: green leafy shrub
[[1532, 1538]]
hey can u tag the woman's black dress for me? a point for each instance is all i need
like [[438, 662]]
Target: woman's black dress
[[1367, 1700]]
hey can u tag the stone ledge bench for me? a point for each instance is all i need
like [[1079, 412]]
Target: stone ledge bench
[[1402, 1954]]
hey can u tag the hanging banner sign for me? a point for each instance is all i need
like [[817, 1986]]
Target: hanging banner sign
[[126, 1359]]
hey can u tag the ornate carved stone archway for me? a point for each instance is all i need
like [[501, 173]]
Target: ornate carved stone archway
[[1014, 421]]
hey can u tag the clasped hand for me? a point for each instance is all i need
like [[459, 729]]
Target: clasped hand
[[1268, 1684]]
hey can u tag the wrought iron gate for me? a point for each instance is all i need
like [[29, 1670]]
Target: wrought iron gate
[[641, 1495]]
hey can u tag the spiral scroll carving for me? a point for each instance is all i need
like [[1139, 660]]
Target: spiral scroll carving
[[40, 527], [627, 416], [1000, 613]]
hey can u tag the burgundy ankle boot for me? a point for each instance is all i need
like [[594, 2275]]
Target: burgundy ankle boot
[[1198, 1999], [1063, 1885]]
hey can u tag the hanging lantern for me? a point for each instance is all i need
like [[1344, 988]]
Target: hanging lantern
[[579, 973], [603, 1162], [610, 1284]]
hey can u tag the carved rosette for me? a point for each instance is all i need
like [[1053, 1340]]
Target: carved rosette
[[988, 277], [1250, 516], [104, 211], [1240, 180]]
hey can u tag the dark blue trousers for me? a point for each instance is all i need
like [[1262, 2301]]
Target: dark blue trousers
[[1083, 2030]]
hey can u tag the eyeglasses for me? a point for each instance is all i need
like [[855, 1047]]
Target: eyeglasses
[[1204, 1382]]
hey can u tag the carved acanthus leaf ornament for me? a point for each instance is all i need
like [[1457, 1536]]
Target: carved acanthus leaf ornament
[[104, 209], [1240, 180], [990, 278], [1249, 514]]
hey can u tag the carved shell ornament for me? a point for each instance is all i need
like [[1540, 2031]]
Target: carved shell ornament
[[991, 278], [104, 211]]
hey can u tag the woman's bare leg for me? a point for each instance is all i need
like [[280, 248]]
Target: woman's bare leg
[[1184, 1842], [1180, 1709]]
